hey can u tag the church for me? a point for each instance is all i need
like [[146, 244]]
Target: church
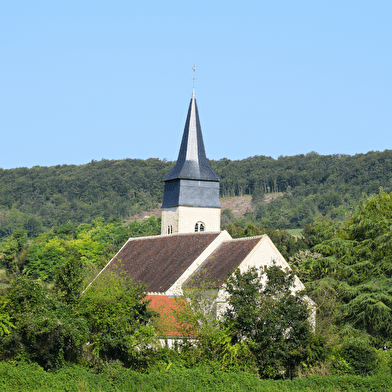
[[191, 242]]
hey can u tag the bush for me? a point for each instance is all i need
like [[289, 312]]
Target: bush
[[361, 357], [31, 377]]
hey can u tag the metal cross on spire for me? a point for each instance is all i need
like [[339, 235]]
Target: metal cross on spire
[[194, 73]]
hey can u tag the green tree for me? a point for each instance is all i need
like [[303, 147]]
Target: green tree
[[13, 251], [257, 198], [265, 312], [45, 330], [5, 318], [351, 281], [118, 318], [69, 279], [195, 315]]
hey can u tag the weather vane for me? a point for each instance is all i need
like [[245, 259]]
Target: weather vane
[[194, 73]]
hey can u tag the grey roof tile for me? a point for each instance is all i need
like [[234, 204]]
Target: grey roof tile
[[228, 256], [160, 260], [192, 161]]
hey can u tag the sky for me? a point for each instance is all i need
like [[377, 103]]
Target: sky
[[90, 80]]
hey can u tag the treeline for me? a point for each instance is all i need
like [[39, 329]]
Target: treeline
[[45, 197], [314, 186], [306, 174]]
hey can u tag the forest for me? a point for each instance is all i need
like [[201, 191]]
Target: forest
[[55, 336], [312, 186]]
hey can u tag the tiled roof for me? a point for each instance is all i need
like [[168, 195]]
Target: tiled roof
[[160, 260], [228, 256], [192, 161]]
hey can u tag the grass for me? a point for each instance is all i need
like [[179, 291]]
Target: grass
[[233, 197], [295, 232]]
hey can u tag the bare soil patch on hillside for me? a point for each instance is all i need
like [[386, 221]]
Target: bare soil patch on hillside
[[239, 205]]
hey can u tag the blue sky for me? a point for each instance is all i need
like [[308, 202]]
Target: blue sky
[[83, 80]]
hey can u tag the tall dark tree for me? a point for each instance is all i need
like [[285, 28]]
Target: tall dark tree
[[355, 267], [264, 311]]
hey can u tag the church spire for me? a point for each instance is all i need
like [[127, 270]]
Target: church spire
[[192, 161], [191, 196]]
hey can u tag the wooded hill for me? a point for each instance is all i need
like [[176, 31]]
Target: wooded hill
[[314, 186]]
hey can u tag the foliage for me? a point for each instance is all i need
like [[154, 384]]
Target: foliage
[[5, 319], [55, 327], [26, 377], [118, 320], [69, 280], [257, 197], [209, 343], [51, 196], [361, 357], [92, 244], [349, 270], [44, 329], [227, 216], [314, 186], [265, 312], [13, 250]]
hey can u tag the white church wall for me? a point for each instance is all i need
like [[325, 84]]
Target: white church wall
[[169, 221], [265, 254], [183, 219]]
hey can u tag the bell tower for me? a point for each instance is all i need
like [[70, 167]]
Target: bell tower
[[191, 198]]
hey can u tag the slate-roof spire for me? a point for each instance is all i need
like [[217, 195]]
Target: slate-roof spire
[[192, 161]]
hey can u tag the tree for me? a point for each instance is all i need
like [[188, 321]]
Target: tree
[[257, 198], [118, 318], [44, 329], [13, 251], [69, 279], [5, 319], [210, 345], [360, 259], [264, 311]]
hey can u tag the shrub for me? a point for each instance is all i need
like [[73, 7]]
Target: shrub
[[361, 357]]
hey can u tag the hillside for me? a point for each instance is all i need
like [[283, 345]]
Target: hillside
[[238, 205], [314, 187]]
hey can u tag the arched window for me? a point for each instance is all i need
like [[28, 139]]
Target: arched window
[[170, 229], [199, 226]]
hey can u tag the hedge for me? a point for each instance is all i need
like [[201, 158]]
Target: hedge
[[31, 377]]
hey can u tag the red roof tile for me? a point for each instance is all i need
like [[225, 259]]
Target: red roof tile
[[167, 307]]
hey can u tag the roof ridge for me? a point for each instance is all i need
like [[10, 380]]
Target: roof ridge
[[246, 238], [160, 293], [173, 235]]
